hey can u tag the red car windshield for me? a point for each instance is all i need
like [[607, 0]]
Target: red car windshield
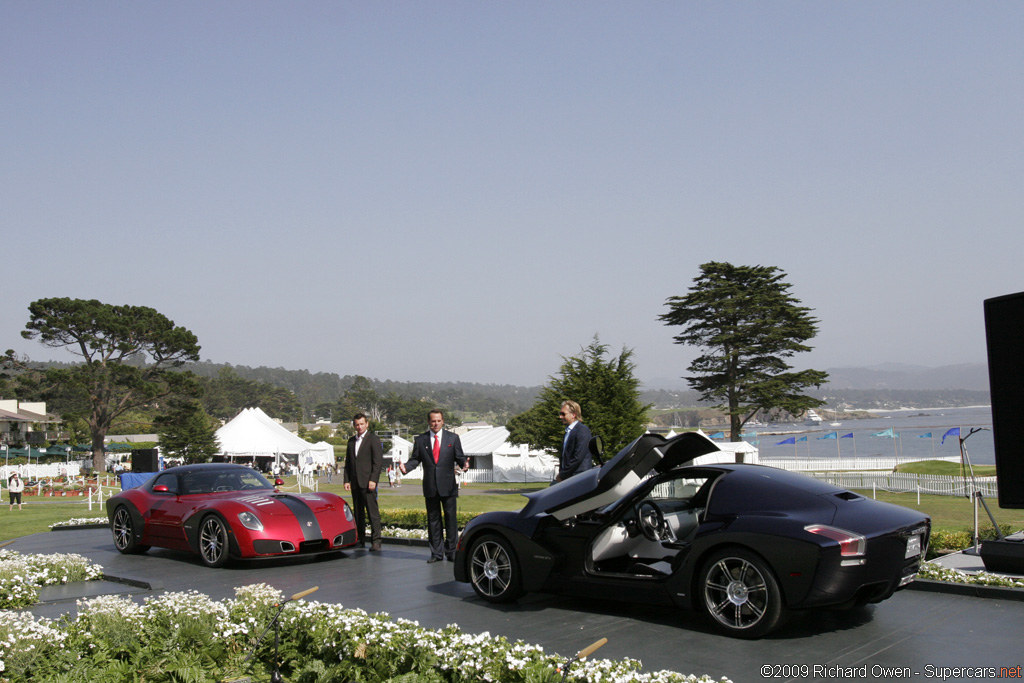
[[217, 481]]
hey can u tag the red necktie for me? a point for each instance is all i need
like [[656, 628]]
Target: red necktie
[[437, 448]]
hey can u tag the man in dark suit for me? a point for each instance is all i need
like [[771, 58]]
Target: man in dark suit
[[440, 453], [575, 454], [364, 458]]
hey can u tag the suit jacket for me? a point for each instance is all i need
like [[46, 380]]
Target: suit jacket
[[439, 479], [575, 455], [363, 467]]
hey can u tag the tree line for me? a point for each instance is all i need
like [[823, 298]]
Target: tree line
[[134, 359]]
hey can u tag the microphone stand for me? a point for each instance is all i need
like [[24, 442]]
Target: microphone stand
[[580, 655], [276, 676], [976, 495]]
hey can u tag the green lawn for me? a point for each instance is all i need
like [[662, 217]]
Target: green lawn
[[947, 513], [949, 469]]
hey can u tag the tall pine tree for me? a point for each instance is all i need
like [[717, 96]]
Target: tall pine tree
[[747, 325]]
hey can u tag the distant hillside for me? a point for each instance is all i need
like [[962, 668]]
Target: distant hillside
[[501, 401], [883, 386], [971, 376]]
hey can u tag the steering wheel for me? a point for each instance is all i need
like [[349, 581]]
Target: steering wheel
[[651, 520]]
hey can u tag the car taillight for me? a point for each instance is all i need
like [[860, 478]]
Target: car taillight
[[850, 544]]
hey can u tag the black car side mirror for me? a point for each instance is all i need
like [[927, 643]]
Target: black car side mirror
[[596, 448]]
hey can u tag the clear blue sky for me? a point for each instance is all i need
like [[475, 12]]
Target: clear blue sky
[[469, 191]]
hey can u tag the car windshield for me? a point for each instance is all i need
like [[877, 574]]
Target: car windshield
[[217, 481]]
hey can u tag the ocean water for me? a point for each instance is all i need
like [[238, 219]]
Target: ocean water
[[911, 426]]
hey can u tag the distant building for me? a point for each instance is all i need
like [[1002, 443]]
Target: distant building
[[27, 423]]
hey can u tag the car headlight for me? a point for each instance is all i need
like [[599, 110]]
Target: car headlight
[[348, 512], [250, 521]]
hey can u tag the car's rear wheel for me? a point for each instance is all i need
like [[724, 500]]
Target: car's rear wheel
[[123, 529], [213, 541], [740, 594], [494, 569]]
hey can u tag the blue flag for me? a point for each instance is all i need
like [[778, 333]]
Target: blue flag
[[791, 440], [847, 436], [955, 431], [925, 436], [717, 435], [886, 433], [830, 435], [802, 438]]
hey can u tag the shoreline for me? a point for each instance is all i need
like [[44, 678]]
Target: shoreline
[[911, 410]]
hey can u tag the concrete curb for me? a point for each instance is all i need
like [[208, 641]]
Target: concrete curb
[[968, 589]]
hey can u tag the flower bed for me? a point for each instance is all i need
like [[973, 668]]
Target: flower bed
[[81, 521], [188, 636], [21, 576], [935, 572]]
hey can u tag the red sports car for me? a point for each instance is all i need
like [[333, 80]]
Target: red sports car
[[223, 511]]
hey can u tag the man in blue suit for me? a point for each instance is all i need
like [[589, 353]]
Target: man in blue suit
[[440, 453], [575, 455]]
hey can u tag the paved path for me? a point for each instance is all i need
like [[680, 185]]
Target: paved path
[[912, 629]]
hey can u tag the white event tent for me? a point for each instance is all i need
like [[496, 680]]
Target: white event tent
[[253, 434], [490, 452]]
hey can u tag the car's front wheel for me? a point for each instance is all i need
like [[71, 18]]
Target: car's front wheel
[[123, 529], [494, 569], [213, 541], [740, 594]]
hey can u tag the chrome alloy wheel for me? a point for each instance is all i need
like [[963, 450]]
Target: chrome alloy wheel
[[736, 593], [213, 542], [122, 529], [490, 569]]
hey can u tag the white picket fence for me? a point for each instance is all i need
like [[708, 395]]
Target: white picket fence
[[905, 482], [876, 473], [833, 464]]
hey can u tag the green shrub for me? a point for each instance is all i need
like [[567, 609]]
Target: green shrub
[[943, 542], [416, 519], [114, 640]]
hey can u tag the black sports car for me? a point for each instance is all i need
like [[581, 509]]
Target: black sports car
[[744, 543]]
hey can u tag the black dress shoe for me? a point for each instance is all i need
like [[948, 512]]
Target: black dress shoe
[[450, 558], [434, 559], [361, 544], [375, 546]]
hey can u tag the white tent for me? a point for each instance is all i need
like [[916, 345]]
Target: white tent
[[400, 451], [489, 449], [516, 462], [730, 451], [253, 434]]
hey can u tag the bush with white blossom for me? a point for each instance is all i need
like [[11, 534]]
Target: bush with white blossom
[[80, 521], [188, 636], [22, 575], [936, 572]]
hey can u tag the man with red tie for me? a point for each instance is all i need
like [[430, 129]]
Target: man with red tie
[[440, 453]]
